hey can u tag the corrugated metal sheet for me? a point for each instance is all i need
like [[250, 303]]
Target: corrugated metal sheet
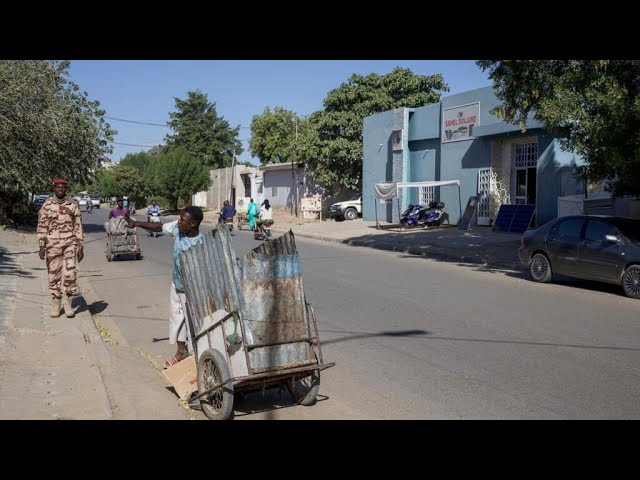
[[265, 287]]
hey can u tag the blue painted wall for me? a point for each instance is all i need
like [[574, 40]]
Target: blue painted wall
[[377, 164], [554, 164], [425, 122], [423, 158]]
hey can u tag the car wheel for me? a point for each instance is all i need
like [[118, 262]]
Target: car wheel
[[350, 214], [540, 268], [631, 281]]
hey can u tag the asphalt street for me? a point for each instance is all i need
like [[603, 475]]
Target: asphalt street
[[412, 338]]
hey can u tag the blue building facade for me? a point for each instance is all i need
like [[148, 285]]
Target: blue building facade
[[459, 139]]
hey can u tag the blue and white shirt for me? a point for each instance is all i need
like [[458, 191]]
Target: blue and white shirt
[[182, 244]]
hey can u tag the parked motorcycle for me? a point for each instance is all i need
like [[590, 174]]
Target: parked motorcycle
[[413, 216], [421, 216], [434, 215]]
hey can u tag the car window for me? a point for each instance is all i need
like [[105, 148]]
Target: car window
[[596, 231], [629, 227], [570, 229]]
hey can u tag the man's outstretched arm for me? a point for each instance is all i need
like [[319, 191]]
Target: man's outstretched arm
[[149, 226]]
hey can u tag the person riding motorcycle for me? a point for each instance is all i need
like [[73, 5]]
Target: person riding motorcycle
[[89, 205], [153, 215], [264, 216], [152, 209], [227, 212]]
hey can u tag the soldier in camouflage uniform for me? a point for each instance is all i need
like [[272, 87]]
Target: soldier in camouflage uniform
[[60, 238]]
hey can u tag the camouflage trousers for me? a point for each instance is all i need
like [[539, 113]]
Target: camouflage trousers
[[59, 259]]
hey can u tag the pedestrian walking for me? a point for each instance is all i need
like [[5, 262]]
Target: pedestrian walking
[[61, 242]]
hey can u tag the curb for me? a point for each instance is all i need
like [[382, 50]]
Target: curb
[[411, 250], [121, 406]]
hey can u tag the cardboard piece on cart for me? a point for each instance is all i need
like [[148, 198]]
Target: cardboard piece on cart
[[183, 377]]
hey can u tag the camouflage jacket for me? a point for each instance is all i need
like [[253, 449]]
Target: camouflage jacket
[[59, 224]]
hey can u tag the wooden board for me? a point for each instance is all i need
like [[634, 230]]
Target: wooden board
[[467, 216]]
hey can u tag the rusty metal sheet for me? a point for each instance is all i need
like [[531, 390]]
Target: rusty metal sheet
[[265, 288], [211, 272]]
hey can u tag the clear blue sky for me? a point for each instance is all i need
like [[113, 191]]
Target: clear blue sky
[[144, 90]]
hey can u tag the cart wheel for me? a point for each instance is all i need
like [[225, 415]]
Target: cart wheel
[[213, 369], [304, 390]]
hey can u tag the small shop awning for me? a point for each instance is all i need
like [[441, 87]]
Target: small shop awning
[[441, 183]]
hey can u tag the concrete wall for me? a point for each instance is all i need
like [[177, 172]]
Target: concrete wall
[[377, 163], [221, 182], [424, 159], [289, 188], [555, 178], [425, 123]]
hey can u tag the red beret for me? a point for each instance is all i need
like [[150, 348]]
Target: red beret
[[56, 181]]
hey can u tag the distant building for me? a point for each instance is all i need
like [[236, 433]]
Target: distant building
[[283, 184], [107, 164], [236, 184]]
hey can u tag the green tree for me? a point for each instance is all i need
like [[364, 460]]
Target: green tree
[[273, 135], [105, 184], [176, 174], [48, 128], [128, 182], [199, 130], [140, 161], [332, 138], [594, 105]]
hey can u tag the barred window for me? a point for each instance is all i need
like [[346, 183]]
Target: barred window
[[525, 154]]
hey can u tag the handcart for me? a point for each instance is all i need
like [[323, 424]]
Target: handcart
[[243, 220], [250, 325], [123, 241]]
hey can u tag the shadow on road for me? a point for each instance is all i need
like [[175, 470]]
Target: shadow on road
[[421, 334], [359, 335]]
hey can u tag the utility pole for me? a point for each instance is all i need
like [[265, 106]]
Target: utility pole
[[294, 183], [233, 166]]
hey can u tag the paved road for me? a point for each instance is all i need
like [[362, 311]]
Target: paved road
[[415, 338]]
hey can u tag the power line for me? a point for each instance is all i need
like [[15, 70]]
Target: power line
[[149, 123], [135, 144], [140, 123]]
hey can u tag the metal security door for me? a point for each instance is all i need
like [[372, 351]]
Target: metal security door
[[524, 173], [484, 191]]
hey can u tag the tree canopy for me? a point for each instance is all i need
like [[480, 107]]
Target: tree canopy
[[140, 161], [273, 135], [48, 128], [593, 105], [176, 174], [201, 132], [121, 180], [331, 139]]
